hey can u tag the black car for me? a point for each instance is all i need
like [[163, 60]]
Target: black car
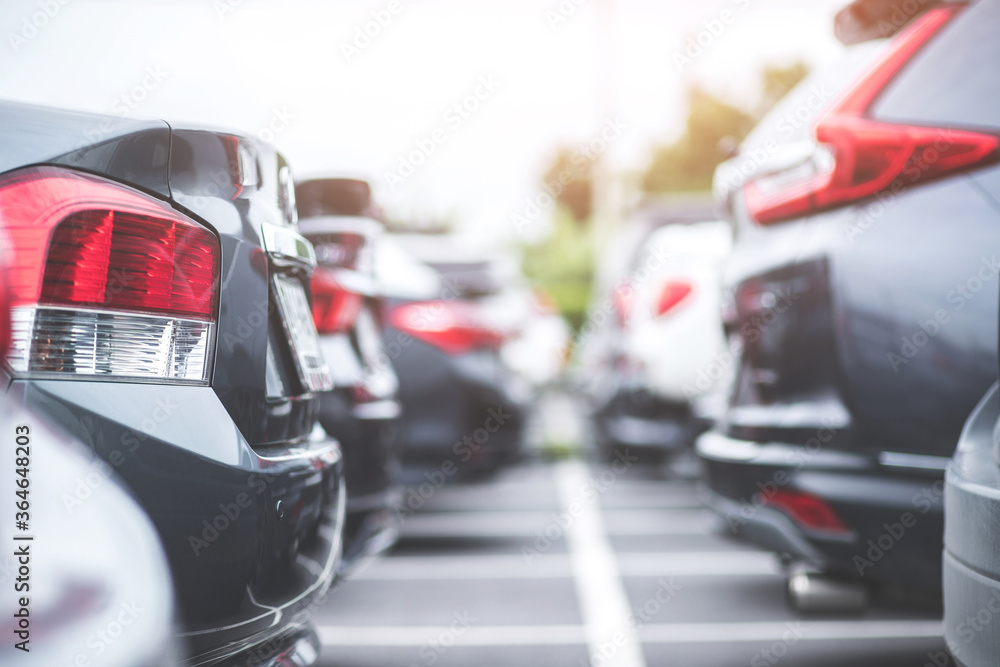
[[863, 292], [464, 409], [160, 315], [362, 410]]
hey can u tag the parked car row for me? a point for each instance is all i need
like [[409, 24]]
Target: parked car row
[[215, 387], [859, 309]]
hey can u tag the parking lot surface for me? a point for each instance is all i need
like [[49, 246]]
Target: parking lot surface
[[570, 563]]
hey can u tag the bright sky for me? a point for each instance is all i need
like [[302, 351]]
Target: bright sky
[[285, 69]]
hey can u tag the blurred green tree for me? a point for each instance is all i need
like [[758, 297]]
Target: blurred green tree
[[570, 180], [688, 163], [776, 82], [563, 265]]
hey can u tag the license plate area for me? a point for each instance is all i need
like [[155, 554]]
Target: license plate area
[[296, 317]]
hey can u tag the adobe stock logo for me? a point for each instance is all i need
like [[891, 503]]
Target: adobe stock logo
[[32, 24], [364, 35]]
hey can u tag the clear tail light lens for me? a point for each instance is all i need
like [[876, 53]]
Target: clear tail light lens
[[857, 157], [335, 309], [106, 282], [456, 327]]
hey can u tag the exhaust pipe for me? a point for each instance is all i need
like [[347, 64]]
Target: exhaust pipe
[[813, 592]]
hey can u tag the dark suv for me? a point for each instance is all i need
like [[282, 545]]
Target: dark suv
[[863, 298]]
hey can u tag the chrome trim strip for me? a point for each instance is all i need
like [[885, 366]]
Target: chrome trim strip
[[287, 244], [918, 461]]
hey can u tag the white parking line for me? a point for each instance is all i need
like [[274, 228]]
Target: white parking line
[[503, 501], [554, 566], [673, 633], [527, 523], [604, 605], [477, 635], [697, 633]]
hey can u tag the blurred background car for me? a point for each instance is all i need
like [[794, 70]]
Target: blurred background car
[[652, 368], [864, 299], [971, 564], [362, 410], [450, 315], [105, 594], [160, 316], [336, 195]]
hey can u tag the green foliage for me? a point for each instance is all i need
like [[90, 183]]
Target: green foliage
[[688, 163], [571, 179], [563, 266], [776, 82]]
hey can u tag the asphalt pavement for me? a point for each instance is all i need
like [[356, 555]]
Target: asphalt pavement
[[574, 563]]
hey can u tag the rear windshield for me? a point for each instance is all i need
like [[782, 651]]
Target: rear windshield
[[954, 81], [470, 279], [333, 196]]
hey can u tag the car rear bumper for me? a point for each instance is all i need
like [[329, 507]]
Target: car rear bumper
[[972, 606], [894, 516], [641, 421], [467, 411], [367, 435], [252, 535], [972, 550]]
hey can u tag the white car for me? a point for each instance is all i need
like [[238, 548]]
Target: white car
[[656, 370]]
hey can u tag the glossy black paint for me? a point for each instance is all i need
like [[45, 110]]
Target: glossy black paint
[[128, 150], [232, 183], [247, 502], [869, 332]]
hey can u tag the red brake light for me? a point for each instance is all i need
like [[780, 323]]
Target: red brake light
[[453, 326], [4, 301], [672, 293], [106, 280], [335, 309], [83, 241], [808, 510], [857, 156]]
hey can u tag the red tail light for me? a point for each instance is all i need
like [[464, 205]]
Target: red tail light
[[672, 294], [453, 326], [106, 280], [335, 309], [858, 157], [807, 510], [4, 300]]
